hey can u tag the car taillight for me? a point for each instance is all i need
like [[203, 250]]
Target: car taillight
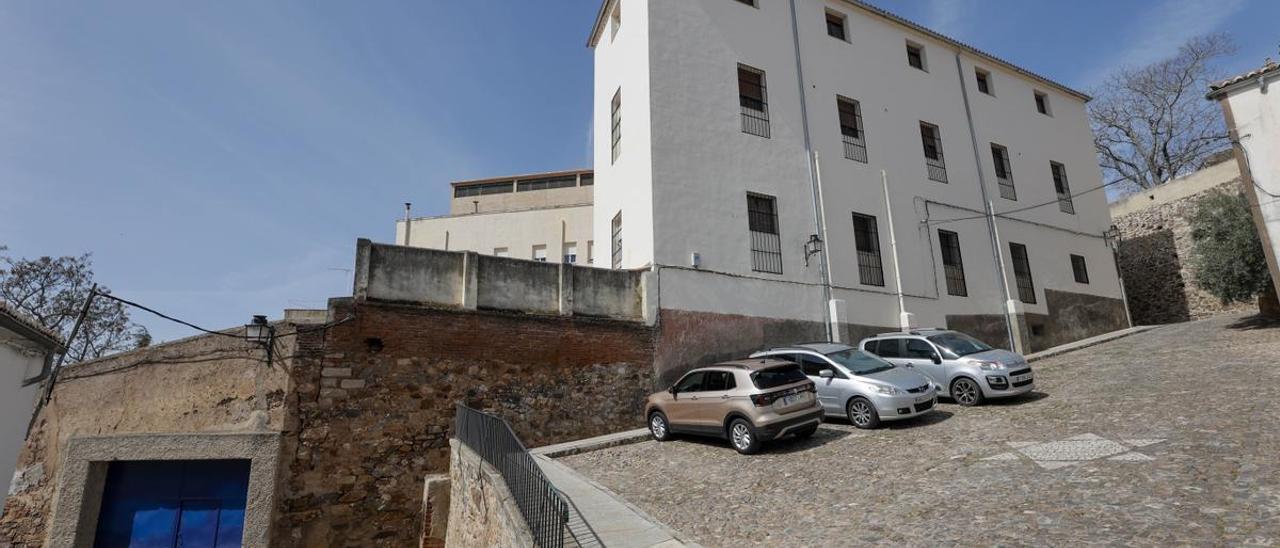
[[762, 400]]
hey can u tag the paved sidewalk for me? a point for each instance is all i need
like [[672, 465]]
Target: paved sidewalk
[[616, 523], [1086, 343]]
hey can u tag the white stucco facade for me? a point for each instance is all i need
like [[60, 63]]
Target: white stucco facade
[[24, 355], [1251, 104], [685, 167]]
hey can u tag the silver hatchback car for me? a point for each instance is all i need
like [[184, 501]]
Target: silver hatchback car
[[859, 386], [964, 368]]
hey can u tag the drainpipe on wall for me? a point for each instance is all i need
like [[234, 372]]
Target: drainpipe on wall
[[905, 318], [810, 162], [1009, 307]]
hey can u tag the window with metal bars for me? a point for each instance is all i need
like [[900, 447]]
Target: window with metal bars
[[984, 80], [851, 132], [952, 264], [753, 101], [1022, 273], [915, 56], [616, 241], [835, 25], [1042, 104], [1004, 173], [866, 242], [1062, 188], [615, 133], [766, 243], [1079, 269], [931, 138]]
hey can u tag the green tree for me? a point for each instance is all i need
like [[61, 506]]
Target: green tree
[[51, 290], [1227, 255]]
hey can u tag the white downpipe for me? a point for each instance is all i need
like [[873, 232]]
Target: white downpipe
[[904, 317], [1011, 307]]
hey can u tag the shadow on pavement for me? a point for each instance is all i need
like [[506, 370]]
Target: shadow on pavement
[[1255, 322], [904, 424], [789, 444]]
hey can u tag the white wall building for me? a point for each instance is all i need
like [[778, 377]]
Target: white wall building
[[26, 353], [544, 216], [1252, 111], [705, 148]]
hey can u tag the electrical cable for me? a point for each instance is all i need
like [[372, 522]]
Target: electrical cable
[[170, 318], [1003, 214]]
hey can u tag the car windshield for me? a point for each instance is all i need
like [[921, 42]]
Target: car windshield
[[859, 362], [959, 343], [774, 377]]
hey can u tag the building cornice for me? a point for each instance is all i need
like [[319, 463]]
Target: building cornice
[[1220, 89], [19, 323]]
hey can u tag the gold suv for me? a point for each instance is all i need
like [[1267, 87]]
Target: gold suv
[[747, 402]]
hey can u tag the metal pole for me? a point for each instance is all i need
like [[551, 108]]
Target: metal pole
[[407, 222], [893, 248], [822, 210], [813, 179], [75, 330]]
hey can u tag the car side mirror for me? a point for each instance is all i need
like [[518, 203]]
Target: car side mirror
[[673, 391], [826, 373], [936, 358]]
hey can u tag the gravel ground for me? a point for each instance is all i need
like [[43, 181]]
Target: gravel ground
[[1166, 437]]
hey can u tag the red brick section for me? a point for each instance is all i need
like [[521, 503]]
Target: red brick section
[[374, 405]]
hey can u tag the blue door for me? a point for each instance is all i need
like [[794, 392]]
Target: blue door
[[169, 504]]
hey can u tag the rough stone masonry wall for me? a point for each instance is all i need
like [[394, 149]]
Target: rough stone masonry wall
[[482, 511], [202, 384], [1155, 260], [376, 406]]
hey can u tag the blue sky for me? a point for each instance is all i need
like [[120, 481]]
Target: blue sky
[[219, 159]]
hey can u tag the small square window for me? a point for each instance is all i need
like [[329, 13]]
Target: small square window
[[984, 81], [836, 25], [1042, 104], [501, 252], [915, 56], [540, 253]]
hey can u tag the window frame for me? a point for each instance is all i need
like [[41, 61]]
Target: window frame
[[755, 121], [870, 261], [855, 146], [615, 20], [615, 126], [1001, 162], [844, 24], [565, 256], [1023, 278], [766, 247], [615, 241], [1062, 187], [1079, 269], [982, 79], [953, 274], [936, 167], [1042, 102], [918, 49]]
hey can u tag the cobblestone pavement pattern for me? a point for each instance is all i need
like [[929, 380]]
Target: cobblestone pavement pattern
[[1166, 437]]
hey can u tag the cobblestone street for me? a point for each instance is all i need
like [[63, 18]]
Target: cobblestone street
[[1165, 437]]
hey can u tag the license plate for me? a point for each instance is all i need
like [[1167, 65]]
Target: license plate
[[792, 399], [1020, 378]]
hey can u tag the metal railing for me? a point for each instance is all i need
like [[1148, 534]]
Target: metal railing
[[552, 519], [1007, 190], [937, 169], [854, 148]]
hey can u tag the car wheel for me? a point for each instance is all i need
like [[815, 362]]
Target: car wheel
[[806, 433], [862, 413], [658, 427], [743, 437], [966, 392]]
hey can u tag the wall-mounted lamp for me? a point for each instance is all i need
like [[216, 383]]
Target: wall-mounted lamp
[[258, 331], [811, 247]]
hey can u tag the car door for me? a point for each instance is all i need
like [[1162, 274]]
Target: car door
[[919, 354], [707, 406], [891, 350], [680, 408], [829, 389]]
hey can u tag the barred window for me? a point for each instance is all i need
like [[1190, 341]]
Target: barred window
[[615, 132], [1022, 273], [1004, 173], [1042, 104], [1061, 187], [915, 56], [1079, 269], [616, 241], [931, 138], [836, 26], [851, 132], [984, 80], [952, 264], [753, 100], [866, 241], [766, 243]]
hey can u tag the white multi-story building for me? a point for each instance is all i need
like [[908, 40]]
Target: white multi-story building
[[734, 137], [543, 217], [26, 356], [1252, 111]]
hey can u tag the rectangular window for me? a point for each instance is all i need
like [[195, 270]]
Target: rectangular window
[[1042, 104], [984, 80], [915, 56], [1062, 188], [753, 99], [540, 253], [482, 189], [616, 241], [766, 243], [501, 252], [855, 143], [835, 25], [866, 241], [1022, 273], [547, 183], [931, 138], [1004, 173], [591, 252], [570, 253], [615, 20], [952, 264], [1079, 269], [587, 179], [615, 133]]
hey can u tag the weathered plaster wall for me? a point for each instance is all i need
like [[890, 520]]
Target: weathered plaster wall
[[205, 384], [1156, 249]]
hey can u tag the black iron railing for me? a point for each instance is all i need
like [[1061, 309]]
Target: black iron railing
[[552, 519]]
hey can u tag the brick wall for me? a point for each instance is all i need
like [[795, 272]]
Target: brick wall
[[375, 406]]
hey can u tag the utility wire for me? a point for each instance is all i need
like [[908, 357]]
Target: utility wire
[[1050, 202], [170, 318]]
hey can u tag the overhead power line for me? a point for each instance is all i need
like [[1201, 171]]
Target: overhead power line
[[1030, 207]]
